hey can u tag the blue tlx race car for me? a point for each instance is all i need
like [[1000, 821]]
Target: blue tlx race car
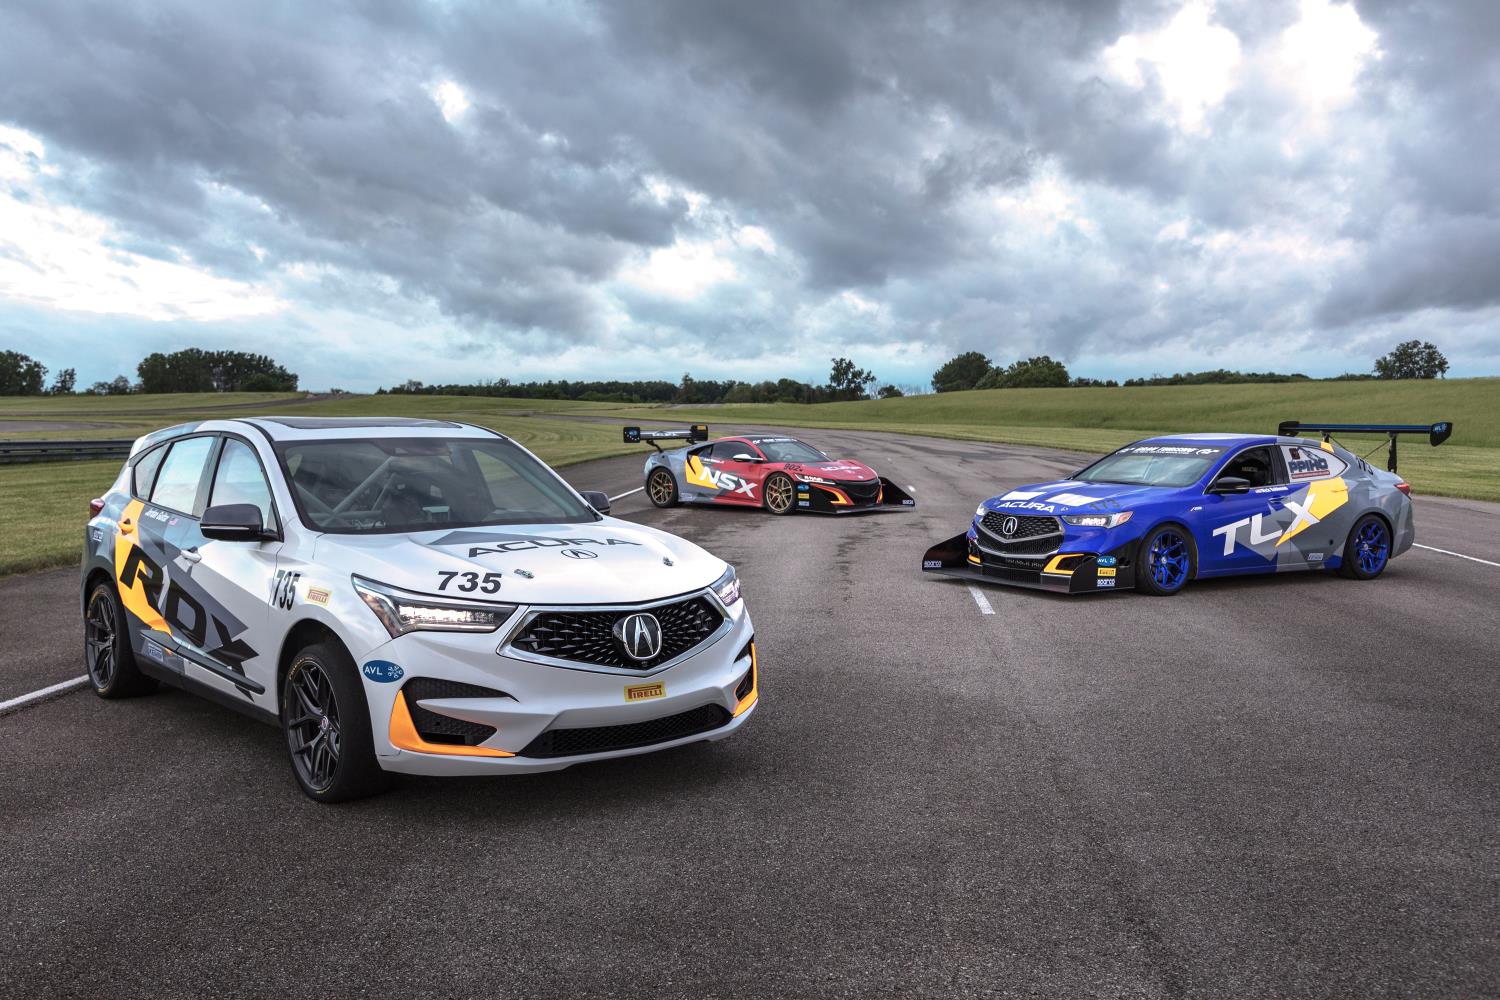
[[1160, 512]]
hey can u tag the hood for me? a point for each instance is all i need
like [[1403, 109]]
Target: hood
[[843, 470], [1065, 496], [604, 562]]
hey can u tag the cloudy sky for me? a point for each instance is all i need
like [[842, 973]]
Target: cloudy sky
[[447, 191]]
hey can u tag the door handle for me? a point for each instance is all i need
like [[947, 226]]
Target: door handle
[[192, 555]]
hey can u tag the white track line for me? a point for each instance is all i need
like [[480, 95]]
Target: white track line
[[981, 600], [1460, 555], [622, 496], [51, 691]]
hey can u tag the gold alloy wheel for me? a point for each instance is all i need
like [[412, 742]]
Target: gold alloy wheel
[[661, 488], [779, 494]]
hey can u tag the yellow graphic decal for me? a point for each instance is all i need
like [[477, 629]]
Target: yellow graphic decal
[[132, 588], [641, 692], [1324, 496], [1327, 446], [698, 475]]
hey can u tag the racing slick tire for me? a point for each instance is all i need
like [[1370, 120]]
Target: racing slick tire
[[327, 724], [1166, 561], [661, 488], [780, 494], [1367, 550], [112, 669]]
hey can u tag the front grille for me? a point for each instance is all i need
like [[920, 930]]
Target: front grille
[[862, 493], [1031, 546], [588, 636], [601, 739], [435, 728], [1027, 525]]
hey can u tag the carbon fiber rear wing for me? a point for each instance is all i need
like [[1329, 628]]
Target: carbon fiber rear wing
[[1436, 433], [697, 432]]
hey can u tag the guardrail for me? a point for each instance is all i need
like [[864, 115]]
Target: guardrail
[[16, 452]]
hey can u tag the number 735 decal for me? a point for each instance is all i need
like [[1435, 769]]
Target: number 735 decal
[[486, 583]]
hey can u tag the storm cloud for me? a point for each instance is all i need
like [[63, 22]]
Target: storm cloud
[[578, 189]]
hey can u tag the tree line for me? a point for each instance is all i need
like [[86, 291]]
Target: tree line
[[189, 370]]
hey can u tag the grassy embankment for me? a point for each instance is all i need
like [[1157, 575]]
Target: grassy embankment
[[41, 507]]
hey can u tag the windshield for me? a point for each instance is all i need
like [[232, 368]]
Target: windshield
[[413, 484], [789, 450], [1153, 465]]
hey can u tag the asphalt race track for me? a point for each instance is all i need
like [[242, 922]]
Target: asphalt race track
[[1262, 787]]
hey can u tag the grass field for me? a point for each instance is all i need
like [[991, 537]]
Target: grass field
[[42, 507]]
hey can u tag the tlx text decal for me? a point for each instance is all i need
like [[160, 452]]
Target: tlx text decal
[[1257, 536]]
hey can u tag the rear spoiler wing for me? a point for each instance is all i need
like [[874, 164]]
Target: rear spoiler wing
[[1436, 433], [697, 432]]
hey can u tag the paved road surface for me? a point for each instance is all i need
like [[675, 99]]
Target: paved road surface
[[1261, 787]]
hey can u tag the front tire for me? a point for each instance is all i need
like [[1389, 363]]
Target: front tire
[[112, 670], [780, 494], [661, 488], [1167, 561], [1367, 551], [327, 724]]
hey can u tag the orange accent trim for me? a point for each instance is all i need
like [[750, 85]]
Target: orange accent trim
[[840, 498], [754, 695], [1052, 564], [975, 559], [405, 736]]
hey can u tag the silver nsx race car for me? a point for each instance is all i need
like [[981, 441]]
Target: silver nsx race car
[[406, 595]]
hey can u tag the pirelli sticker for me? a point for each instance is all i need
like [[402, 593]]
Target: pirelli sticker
[[317, 595], [645, 692], [1106, 571]]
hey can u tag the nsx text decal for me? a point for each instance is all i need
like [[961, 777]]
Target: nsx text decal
[[701, 475]]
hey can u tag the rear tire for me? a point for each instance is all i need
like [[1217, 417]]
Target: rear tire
[[661, 488], [112, 670], [780, 494], [327, 724], [1367, 550], [1166, 561]]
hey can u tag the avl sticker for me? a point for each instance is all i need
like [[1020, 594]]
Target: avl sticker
[[383, 671]]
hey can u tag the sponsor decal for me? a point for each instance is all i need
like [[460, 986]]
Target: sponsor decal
[[1106, 571], [908, 503], [1168, 449], [804, 503], [580, 554], [155, 651], [932, 564], [382, 671], [525, 574], [1104, 583], [156, 515], [502, 548], [1313, 557], [1045, 508], [803, 488], [1108, 561], [1307, 465], [643, 692], [317, 595], [96, 534]]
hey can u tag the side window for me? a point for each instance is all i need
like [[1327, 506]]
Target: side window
[[240, 479], [1253, 464], [704, 454], [181, 474], [1304, 463], [725, 451], [145, 471]]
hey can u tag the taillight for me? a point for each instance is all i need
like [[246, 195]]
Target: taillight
[[1404, 487], [95, 506]]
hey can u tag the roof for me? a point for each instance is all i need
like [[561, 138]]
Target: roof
[[1215, 441]]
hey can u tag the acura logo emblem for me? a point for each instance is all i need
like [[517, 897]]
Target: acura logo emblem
[[580, 554], [1009, 526], [639, 635]]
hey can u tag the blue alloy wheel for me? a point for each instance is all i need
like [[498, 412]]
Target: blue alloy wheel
[[1168, 561]]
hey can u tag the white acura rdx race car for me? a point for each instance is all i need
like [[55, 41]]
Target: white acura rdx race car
[[406, 595]]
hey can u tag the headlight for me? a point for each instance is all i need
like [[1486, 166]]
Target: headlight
[[727, 587], [981, 510], [802, 477], [401, 613], [1098, 520]]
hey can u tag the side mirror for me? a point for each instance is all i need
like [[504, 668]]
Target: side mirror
[[598, 501], [233, 522], [1230, 484], [742, 457]]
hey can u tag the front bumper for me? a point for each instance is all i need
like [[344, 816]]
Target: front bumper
[[883, 496], [1073, 567], [540, 711]]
